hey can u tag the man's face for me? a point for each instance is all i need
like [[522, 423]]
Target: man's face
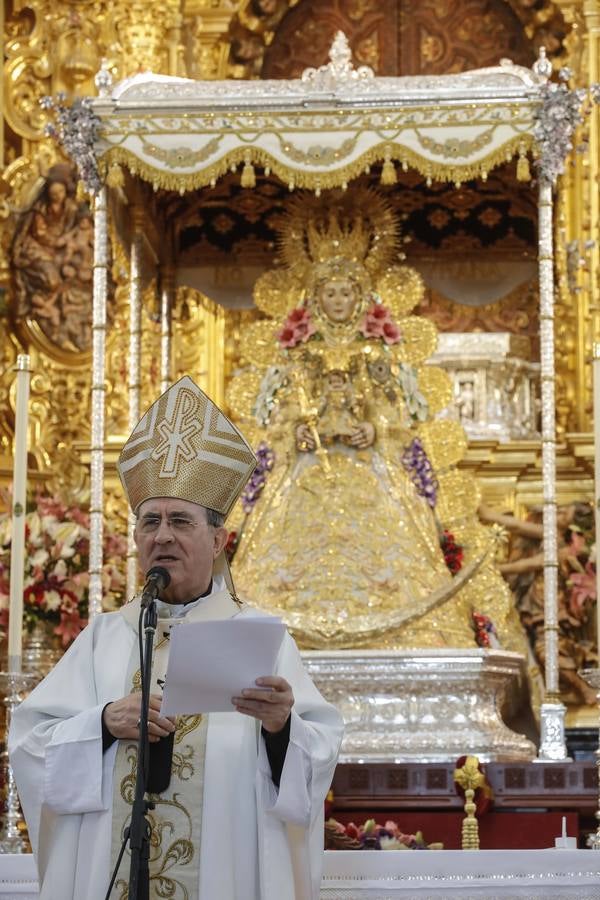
[[175, 534]]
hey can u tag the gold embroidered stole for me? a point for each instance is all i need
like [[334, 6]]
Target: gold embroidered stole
[[177, 817]]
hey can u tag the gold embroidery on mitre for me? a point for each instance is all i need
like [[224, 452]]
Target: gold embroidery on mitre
[[185, 447]]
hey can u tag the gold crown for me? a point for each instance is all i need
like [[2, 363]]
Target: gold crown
[[185, 447], [359, 227]]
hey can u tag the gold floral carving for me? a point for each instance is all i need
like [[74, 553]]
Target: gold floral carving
[[181, 157], [436, 386], [258, 345], [317, 154], [241, 393], [400, 289], [445, 443], [275, 293], [296, 177], [419, 340], [452, 148], [459, 496]]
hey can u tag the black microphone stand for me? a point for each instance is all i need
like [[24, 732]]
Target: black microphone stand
[[139, 831]]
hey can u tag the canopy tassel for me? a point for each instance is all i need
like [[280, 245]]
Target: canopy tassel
[[523, 171], [388, 170], [248, 179], [115, 177]]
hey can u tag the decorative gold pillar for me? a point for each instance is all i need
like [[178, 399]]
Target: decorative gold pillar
[[134, 367], [98, 389], [591, 12]]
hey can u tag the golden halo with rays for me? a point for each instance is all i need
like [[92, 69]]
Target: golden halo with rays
[[276, 292], [401, 288], [359, 226]]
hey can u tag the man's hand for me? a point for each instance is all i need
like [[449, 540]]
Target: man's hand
[[123, 716], [271, 707]]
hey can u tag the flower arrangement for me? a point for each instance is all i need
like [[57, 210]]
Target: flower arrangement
[[416, 404], [57, 541], [265, 461], [485, 631], [297, 328], [372, 836], [453, 552], [378, 322], [416, 462], [274, 378]]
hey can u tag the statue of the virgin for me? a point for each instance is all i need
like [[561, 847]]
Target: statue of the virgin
[[357, 527]]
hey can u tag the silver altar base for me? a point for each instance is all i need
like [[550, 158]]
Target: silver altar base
[[422, 705]]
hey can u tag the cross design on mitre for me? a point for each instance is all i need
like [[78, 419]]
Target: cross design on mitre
[[176, 446]]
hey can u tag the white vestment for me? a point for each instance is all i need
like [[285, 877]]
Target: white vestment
[[258, 842]]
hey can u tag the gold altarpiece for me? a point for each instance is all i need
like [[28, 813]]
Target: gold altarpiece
[[205, 338]]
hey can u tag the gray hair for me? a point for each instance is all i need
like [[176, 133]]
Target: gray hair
[[214, 518]]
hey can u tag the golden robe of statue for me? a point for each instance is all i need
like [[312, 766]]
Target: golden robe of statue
[[342, 526]]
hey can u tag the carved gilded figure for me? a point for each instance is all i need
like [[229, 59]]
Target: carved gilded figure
[[523, 570], [346, 504], [52, 256]]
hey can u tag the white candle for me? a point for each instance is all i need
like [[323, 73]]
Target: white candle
[[596, 379], [17, 551]]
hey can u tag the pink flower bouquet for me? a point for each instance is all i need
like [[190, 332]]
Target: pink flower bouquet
[[57, 544], [297, 328], [378, 323]]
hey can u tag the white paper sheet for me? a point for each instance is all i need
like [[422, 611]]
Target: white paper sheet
[[211, 662]]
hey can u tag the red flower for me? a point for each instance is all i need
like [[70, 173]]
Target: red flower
[[378, 322], [453, 552], [379, 311], [297, 328], [391, 333], [69, 627], [297, 315]]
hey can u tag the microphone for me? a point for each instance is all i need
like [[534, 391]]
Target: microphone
[[157, 579]]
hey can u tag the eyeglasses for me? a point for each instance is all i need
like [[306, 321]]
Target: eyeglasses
[[177, 523]]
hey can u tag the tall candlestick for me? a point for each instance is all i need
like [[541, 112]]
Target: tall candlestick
[[17, 550], [596, 380]]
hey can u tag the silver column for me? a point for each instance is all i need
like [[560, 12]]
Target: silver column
[[98, 391]]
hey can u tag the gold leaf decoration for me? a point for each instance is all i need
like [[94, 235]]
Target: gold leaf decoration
[[419, 340], [241, 394], [436, 386], [444, 441], [400, 289], [276, 292], [458, 496], [258, 344]]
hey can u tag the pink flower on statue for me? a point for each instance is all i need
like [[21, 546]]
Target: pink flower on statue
[[378, 323], [297, 328], [391, 333]]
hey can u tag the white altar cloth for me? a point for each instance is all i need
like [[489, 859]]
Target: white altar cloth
[[424, 875], [464, 874]]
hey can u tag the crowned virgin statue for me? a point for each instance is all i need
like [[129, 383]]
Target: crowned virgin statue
[[357, 527]]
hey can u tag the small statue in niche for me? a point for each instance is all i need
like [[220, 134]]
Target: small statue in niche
[[52, 256], [466, 402]]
